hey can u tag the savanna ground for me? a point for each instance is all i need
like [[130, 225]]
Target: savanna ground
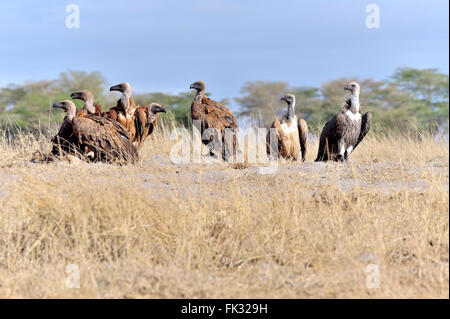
[[163, 230]]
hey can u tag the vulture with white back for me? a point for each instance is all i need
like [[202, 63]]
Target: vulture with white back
[[344, 131], [218, 124], [291, 133]]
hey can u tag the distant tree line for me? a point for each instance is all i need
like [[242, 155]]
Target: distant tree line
[[409, 97]]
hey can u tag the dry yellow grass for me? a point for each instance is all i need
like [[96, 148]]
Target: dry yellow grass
[[163, 230]]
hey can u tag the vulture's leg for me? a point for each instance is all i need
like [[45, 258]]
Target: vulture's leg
[[215, 142], [340, 150], [208, 139], [228, 145], [346, 155]]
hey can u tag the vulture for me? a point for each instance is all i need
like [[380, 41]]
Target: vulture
[[139, 121], [216, 117], [85, 133], [64, 142], [124, 110], [88, 99], [145, 120], [344, 131], [292, 133]]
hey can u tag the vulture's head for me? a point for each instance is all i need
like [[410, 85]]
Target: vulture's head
[[124, 88], [288, 98], [198, 86], [153, 109], [352, 87], [68, 106], [84, 96]]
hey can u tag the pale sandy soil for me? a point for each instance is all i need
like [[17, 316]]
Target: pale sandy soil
[[163, 230]]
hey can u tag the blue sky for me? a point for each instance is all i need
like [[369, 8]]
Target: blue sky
[[164, 45]]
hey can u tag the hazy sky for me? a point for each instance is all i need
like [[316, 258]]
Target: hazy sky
[[164, 45]]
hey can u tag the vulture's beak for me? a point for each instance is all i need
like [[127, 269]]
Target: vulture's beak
[[74, 95], [283, 99], [347, 87], [58, 105], [192, 86], [158, 109], [115, 88]]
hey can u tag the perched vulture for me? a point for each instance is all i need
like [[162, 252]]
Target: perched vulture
[[86, 133], [139, 121], [344, 131], [145, 120], [292, 133], [217, 119], [64, 141], [124, 110], [88, 99]]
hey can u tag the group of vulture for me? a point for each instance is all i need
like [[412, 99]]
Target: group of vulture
[[118, 134], [288, 137], [112, 136]]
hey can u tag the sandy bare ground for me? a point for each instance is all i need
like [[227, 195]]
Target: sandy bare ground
[[163, 230]]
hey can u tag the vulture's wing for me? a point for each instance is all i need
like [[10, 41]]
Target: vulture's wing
[[332, 132], [217, 115], [62, 142], [142, 125], [107, 137], [303, 136], [111, 114], [366, 121]]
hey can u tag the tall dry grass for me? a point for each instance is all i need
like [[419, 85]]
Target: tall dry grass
[[160, 230]]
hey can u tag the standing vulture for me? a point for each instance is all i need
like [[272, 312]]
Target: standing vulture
[[344, 131], [88, 99], [217, 119], [124, 110], [86, 133], [139, 121], [145, 120], [292, 134]]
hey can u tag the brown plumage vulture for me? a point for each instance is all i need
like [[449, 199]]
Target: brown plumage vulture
[[124, 110], [145, 121], [344, 131], [86, 133], [218, 125], [138, 120], [291, 133]]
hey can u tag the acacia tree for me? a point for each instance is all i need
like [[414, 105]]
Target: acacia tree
[[429, 89], [262, 100]]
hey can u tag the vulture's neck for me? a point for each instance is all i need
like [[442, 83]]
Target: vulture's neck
[[199, 95], [354, 103], [71, 114], [125, 99], [291, 111], [89, 106]]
